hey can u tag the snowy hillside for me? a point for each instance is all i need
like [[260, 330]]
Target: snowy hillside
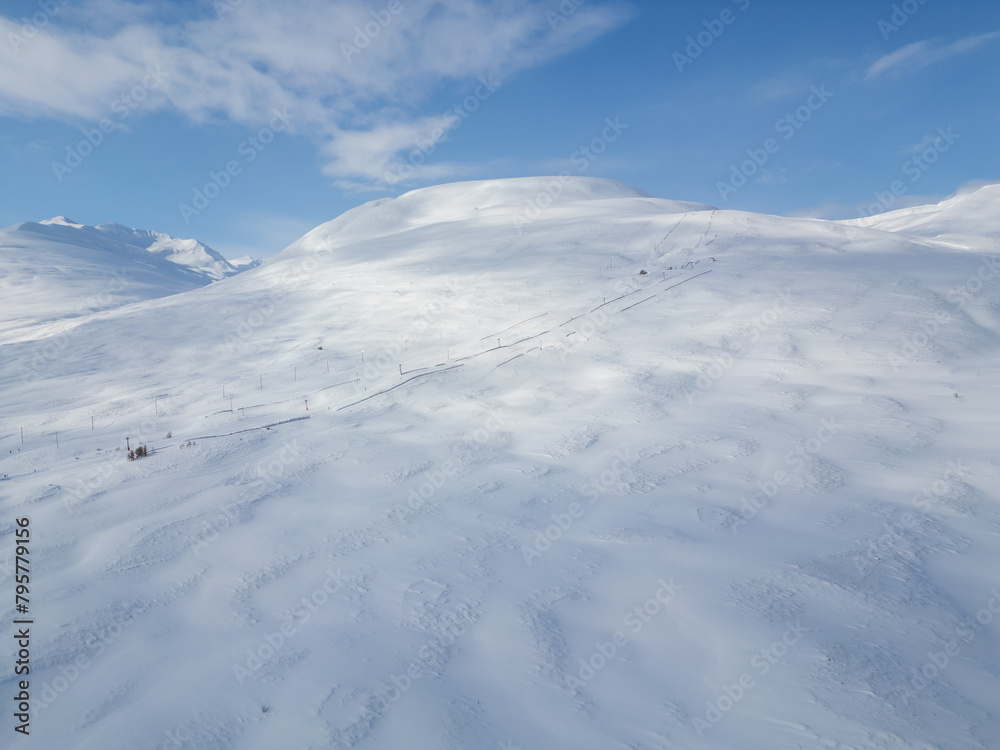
[[969, 219], [54, 272], [451, 471]]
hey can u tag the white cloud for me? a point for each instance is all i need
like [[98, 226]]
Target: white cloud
[[922, 54], [388, 152], [353, 74]]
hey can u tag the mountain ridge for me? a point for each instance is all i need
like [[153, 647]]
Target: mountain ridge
[[58, 270]]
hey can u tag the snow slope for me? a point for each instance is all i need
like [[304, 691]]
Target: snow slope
[[968, 219], [54, 273], [538, 499]]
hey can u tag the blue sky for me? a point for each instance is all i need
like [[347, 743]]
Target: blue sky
[[283, 115]]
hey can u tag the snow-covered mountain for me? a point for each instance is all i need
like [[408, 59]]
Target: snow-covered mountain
[[245, 263], [969, 219], [524, 463], [55, 272]]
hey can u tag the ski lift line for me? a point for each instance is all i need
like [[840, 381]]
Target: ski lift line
[[494, 335], [663, 281], [335, 385], [479, 354], [270, 403], [398, 385], [671, 230], [577, 317], [472, 356], [639, 302], [141, 407], [627, 294], [708, 226], [504, 346], [293, 398], [667, 289], [239, 432], [685, 281], [526, 338], [517, 356]]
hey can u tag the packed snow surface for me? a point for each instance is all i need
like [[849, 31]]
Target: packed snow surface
[[450, 471]]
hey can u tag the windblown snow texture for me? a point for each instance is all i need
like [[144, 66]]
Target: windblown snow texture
[[451, 472]]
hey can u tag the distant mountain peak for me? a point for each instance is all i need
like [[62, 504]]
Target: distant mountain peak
[[62, 221], [61, 269]]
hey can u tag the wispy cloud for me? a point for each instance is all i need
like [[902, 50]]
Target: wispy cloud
[[355, 75], [923, 54]]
